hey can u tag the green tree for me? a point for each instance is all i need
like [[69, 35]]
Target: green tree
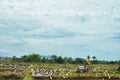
[[94, 57], [59, 60], [94, 61], [24, 58], [34, 57], [88, 57], [79, 60], [70, 60], [31, 58], [44, 60], [65, 60], [53, 58], [15, 59]]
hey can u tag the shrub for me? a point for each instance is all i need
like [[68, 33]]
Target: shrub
[[118, 69]]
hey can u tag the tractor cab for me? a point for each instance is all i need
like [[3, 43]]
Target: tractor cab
[[84, 67]]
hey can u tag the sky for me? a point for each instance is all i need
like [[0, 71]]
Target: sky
[[73, 28]]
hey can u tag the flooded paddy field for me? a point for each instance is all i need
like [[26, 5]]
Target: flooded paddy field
[[30, 71]]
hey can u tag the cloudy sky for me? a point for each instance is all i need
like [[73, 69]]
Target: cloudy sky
[[75, 28]]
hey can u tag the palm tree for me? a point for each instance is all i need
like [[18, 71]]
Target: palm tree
[[94, 57], [88, 60], [88, 57]]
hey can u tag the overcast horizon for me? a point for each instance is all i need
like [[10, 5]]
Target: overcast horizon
[[73, 28]]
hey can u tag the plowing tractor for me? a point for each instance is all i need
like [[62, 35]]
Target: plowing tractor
[[84, 67]]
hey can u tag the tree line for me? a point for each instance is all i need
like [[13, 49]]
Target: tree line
[[37, 58]]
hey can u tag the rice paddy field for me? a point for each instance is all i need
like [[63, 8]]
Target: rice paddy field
[[42, 71]]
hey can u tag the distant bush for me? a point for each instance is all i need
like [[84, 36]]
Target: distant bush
[[118, 69]]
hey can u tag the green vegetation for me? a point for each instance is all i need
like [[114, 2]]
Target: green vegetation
[[118, 69], [27, 74], [36, 58], [61, 67], [10, 75], [61, 71]]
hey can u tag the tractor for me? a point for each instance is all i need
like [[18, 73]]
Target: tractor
[[84, 67]]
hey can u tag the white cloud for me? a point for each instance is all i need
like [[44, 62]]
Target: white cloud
[[65, 25]]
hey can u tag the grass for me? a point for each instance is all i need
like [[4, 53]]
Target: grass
[[27, 74], [10, 75]]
